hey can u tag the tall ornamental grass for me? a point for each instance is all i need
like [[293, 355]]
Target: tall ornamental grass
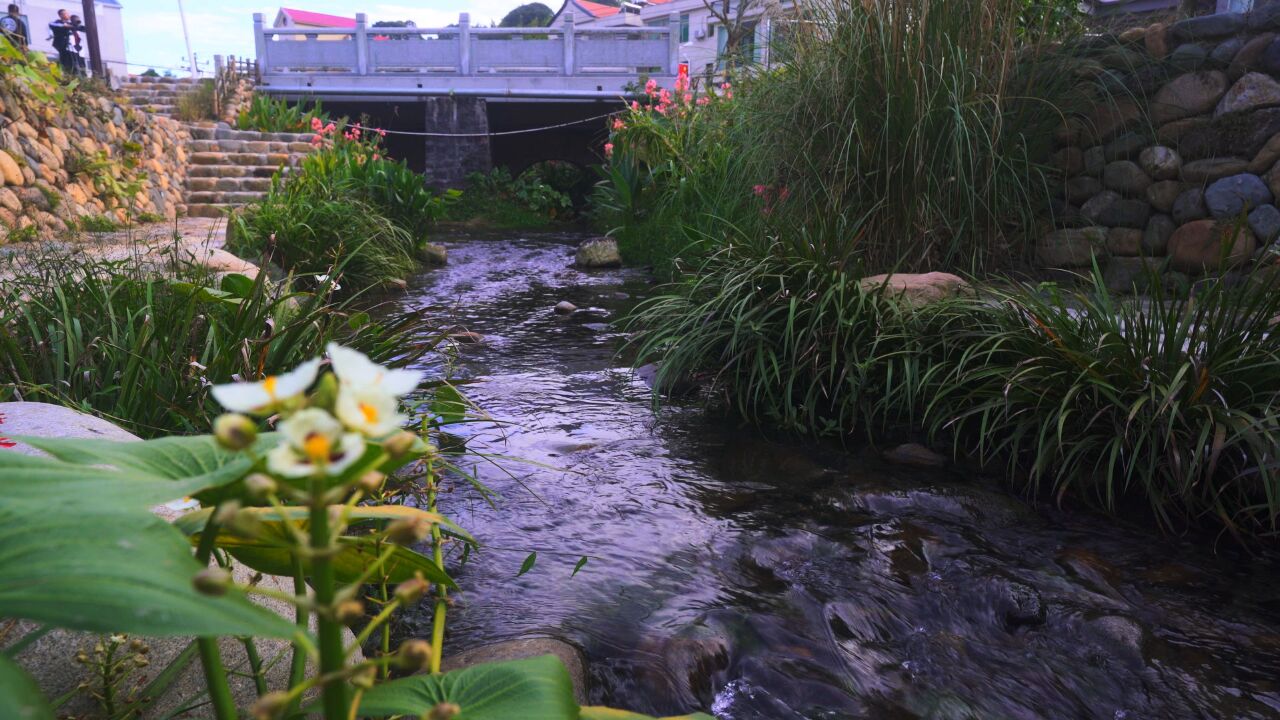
[[141, 350]]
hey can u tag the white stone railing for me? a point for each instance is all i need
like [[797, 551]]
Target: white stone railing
[[363, 56]]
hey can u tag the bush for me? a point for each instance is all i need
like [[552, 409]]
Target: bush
[[346, 201], [529, 200], [267, 114], [141, 350], [198, 103]]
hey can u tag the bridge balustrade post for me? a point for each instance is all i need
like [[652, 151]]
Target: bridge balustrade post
[[260, 41], [569, 41], [362, 44], [464, 44], [673, 44]]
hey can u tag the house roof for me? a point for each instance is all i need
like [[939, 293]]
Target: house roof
[[594, 9], [315, 19]]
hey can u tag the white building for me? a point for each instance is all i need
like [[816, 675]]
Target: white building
[[39, 13], [702, 36]]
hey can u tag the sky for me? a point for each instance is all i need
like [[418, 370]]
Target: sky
[[153, 30]]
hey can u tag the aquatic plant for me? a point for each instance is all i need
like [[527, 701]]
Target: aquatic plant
[[294, 502], [268, 114]]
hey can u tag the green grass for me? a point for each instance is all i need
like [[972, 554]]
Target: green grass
[[98, 223]]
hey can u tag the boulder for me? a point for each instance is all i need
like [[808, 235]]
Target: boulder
[[1155, 239], [1190, 206], [1160, 162], [1225, 51], [1251, 92], [433, 254], [1269, 59], [1203, 171], [1126, 178], [564, 307], [1110, 118], [1263, 17], [1162, 194], [1156, 40], [1264, 221], [1125, 242], [1172, 133], [1127, 274], [1071, 248], [1189, 94], [1266, 157], [1188, 57], [47, 420], [1080, 188], [599, 252], [1108, 208], [915, 455], [1203, 245], [1069, 131], [10, 170], [1125, 147], [1236, 194], [1208, 26], [916, 289], [1244, 135], [1273, 179], [1250, 54], [1064, 214], [522, 649], [1095, 159], [1069, 161]]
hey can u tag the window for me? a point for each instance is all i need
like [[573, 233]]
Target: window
[[684, 27]]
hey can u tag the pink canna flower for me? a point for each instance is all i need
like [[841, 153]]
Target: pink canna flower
[[651, 87], [688, 98], [726, 86], [382, 133], [376, 156], [608, 149], [618, 124], [316, 124], [760, 189], [704, 100]]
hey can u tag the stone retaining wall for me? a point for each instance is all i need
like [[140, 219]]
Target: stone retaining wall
[[61, 161], [1180, 170]]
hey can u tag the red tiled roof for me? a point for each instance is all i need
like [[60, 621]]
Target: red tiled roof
[[595, 9], [315, 19]]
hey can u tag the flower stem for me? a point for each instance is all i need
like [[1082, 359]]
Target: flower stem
[[332, 657], [298, 666], [442, 594], [215, 674]]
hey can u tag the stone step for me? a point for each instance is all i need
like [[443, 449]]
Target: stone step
[[229, 184], [222, 198], [251, 146], [234, 171], [226, 133], [154, 80], [209, 210], [239, 158]]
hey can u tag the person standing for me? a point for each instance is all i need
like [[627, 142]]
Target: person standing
[[62, 32], [14, 28], [78, 27]]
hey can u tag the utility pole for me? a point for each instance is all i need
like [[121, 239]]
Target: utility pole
[[87, 7], [186, 35]]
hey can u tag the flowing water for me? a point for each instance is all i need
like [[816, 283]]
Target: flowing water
[[759, 580]]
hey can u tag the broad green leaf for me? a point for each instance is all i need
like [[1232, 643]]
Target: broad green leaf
[[528, 563], [533, 689], [113, 572], [47, 483], [237, 285], [448, 405], [270, 551], [171, 458], [604, 713], [19, 695]]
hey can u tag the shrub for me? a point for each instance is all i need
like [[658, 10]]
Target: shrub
[[267, 114], [141, 350], [198, 103], [496, 198], [98, 223]]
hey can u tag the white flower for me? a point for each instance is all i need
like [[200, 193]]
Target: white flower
[[264, 396], [314, 443], [368, 409], [354, 369]]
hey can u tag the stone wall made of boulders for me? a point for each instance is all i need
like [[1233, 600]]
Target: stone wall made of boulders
[[1179, 169], [61, 161]]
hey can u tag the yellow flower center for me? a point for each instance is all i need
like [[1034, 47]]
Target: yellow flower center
[[269, 384], [317, 448], [370, 413]]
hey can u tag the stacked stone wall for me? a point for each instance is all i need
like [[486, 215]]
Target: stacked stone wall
[[1180, 169]]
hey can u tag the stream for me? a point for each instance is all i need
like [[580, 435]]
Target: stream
[[764, 581]]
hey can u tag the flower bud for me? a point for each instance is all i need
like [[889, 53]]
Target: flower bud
[[408, 531], [414, 655], [412, 590], [235, 431], [225, 514], [442, 711], [212, 581], [348, 612], [399, 444], [269, 706], [259, 485], [371, 481], [365, 677]]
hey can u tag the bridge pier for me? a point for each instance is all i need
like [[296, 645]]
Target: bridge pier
[[450, 159]]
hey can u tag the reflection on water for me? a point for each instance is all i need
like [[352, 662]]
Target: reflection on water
[[762, 581]]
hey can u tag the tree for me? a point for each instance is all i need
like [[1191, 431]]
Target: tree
[[395, 24], [533, 14], [732, 16]]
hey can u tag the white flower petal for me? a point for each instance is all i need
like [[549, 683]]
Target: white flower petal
[[401, 382], [257, 397], [369, 410], [355, 368], [241, 397]]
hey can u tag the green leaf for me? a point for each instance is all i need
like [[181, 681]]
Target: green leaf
[[105, 571], [528, 563], [604, 713], [448, 405], [47, 483], [198, 458], [19, 695], [238, 285], [533, 689], [581, 563]]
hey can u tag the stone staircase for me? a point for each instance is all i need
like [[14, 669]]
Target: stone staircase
[[229, 168], [226, 168], [156, 95]]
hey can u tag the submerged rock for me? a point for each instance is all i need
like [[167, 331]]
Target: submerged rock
[[599, 252], [564, 307], [915, 455], [524, 648], [433, 254]]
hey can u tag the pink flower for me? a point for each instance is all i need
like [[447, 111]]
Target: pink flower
[[635, 106], [682, 83], [608, 149], [330, 128], [688, 98], [726, 86], [760, 189], [704, 100], [376, 156], [664, 97], [618, 124], [316, 124], [651, 87], [728, 95], [382, 133]]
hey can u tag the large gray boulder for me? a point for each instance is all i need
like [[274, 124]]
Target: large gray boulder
[[601, 252], [1236, 194], [51, 659]]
